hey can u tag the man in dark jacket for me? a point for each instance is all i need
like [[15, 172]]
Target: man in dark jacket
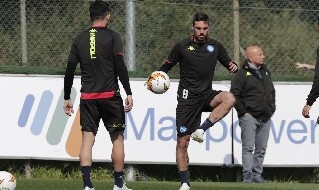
[[255, 104]]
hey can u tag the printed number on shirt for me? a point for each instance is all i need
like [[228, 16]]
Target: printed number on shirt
[[185, 94]]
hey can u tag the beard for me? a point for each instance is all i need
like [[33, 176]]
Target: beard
[[201, 38]]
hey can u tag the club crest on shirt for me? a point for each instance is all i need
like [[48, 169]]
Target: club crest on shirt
[[210, 48]]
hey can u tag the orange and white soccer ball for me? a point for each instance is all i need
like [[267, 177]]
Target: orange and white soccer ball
[[158, 82], [7, 181]]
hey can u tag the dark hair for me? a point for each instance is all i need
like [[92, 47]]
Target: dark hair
[[318, 20], [200, 17], [99, 10]]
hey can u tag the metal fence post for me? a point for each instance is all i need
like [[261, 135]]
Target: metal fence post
[[130, 35], [236, 30], [23, 33]]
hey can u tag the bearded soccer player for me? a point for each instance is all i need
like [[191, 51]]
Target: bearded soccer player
[[197, 57]]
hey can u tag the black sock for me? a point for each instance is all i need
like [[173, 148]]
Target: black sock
[[86, 172], [206, 125], [118, 178], [184, 177]]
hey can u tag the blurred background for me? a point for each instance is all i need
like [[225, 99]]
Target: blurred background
[[35, 35]]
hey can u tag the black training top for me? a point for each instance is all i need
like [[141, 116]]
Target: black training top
[[197, 63], [100, 53]]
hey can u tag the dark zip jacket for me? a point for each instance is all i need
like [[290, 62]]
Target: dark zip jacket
[[254, 92]]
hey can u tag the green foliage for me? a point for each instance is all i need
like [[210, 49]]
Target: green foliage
[[57, 40], [285, 30], [290, 31], [46, 172], [10, 54], [102, 171], [55, 169], [70, 170]]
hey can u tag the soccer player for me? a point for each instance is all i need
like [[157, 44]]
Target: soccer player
[[255, 104], [99, 51], [197, 57], [314, 92]]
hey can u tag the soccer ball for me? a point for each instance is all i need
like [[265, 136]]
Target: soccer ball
[[7, 181], [158, 82]]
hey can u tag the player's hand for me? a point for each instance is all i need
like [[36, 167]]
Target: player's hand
[[300, 65], [305, 111], [304, 65], [68, 107], [232, 67], [128, 103]]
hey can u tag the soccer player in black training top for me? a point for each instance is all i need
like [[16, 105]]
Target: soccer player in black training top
[[99, 51], [197, 57]]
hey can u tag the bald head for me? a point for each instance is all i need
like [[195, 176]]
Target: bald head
[[255, 55]]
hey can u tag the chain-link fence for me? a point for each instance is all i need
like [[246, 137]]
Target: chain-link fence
[[35, 35]]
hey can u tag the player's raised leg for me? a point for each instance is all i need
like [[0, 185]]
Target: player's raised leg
[[221, 104]]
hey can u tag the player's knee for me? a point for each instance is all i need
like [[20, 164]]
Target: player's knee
[[232, 99], [182, 143], [229, 98]]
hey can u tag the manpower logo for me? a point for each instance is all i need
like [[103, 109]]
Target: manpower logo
[[57, 124]]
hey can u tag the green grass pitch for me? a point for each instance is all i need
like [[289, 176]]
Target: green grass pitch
[[57, 184]]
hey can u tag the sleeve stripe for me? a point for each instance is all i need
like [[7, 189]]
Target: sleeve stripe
[[168, 61]]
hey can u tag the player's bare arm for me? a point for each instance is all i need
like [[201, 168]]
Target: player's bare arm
[[305, 66]]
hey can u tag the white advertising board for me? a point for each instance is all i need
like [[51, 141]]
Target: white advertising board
[[34, 126]]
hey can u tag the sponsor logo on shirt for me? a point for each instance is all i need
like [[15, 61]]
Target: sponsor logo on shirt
[[92, 43], [191, 48]]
